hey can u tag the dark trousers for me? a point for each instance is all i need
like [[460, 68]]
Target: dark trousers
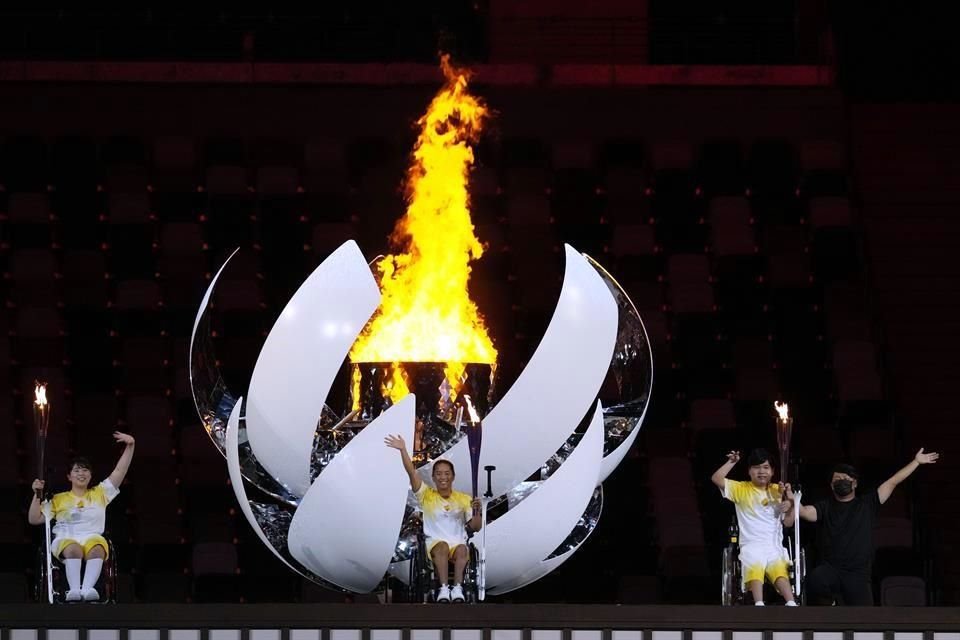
[[826, 583]]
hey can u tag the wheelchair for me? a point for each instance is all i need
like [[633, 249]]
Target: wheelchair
[[106, 585], [422, 584], [731, 589]]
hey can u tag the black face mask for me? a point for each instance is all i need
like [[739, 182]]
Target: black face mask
[[842, 488]]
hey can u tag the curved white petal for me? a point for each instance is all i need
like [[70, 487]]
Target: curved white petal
[[555, 390], [300, 359], [541, 569], [521, 538], [533, 574], [616, 456], [196, 322], [236, 480], [347, 525]]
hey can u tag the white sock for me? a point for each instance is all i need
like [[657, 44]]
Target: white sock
[[791, 603], [92, 573], [73, 572], [759, 603]]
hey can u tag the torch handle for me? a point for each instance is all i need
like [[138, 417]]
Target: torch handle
[[41, 463], [489, 469]]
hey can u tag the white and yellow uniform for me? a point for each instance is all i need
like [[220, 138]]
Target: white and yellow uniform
[[761, 530], [81, 519], [444, 519]]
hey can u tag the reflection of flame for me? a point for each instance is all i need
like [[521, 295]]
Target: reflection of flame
[[474, 416], [426, 314], [395, 386], [783, 410], [40, 395]]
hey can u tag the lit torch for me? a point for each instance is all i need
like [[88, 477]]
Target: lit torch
[[474, 437], [41, 421], [784, 432]]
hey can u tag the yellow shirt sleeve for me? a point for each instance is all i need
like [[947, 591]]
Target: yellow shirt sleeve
[[58, 505], [465, 504], [736, 491]]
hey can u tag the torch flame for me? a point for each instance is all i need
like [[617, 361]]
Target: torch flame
[[426, 314], [474, 416], [40, 394], [783, 409]]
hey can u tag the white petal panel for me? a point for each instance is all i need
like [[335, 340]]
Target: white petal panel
[[521, 538], [347, 525], [299, 360], [236, 479], [555, 390], [541, 569], [196, 322]]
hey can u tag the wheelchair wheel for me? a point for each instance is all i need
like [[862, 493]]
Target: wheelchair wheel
[[417, 585], [801, 570], [470, 586], [730, 578]]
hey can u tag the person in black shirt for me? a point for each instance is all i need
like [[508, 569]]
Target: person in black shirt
[[845, 534]]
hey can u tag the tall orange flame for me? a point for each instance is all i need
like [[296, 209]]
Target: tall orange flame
[[426, 314]]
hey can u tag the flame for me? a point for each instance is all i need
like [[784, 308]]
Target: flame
[[40, 394], [426, 314], [474, 417], [783, 409]]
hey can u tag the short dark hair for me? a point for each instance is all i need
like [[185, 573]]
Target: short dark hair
[[758, 457], [80, 461], [847, 469], [446, 462]]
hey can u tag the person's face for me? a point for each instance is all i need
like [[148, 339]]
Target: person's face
[[761, 474], [442, 476], [79, 476], [843, 484]]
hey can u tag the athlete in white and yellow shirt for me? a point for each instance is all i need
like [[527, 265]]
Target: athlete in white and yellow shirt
[[446, 515], [761, 514], [80, 516]]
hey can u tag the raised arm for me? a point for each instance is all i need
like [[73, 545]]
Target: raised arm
[[123, 464], [807, 512], [733, 457], [887, 487], [396, 442]]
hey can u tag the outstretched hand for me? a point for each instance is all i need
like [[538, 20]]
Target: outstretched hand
[[125, 438], [395, 442], [926, 458], [733, 457]]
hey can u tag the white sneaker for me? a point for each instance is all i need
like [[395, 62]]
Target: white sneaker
[[443, 593], [89, 595], [456, 594], [791, 603], [73, 595], [759, 603]]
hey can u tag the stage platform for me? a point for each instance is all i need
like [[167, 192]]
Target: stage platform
[[470, 622]]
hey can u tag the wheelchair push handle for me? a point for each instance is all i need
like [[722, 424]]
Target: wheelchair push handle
[[489, 469]]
